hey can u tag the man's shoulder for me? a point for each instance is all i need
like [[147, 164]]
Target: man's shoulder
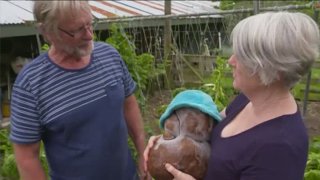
[[103, 47], [34, 66]]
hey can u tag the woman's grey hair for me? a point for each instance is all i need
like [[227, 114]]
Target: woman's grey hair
[[49, 13], [277, 45]]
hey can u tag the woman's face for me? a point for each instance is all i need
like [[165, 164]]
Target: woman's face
[[243, 80]]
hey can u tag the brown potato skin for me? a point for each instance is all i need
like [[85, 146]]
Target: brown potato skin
[[184, 144]]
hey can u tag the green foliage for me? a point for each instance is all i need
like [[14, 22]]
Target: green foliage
[[226, 4], [219, 85], [5, 146], [312, 171], [177, 91], [45, 47], [131, 146], [161, 109], [141, 67], [8, 166], [315, 145], [312, 175], [240, 4], [299, 89]]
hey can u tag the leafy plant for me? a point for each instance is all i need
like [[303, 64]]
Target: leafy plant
[[45, 47], [226, 4], [312, 171], [141, 67], [8, 166], [219, 85]]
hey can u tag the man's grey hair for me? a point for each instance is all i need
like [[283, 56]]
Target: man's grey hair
[[277, 45], [49, 13]]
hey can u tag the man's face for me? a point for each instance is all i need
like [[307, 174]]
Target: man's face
[[75, 35]]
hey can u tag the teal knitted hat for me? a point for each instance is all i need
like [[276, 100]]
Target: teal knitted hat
[[194, 99]]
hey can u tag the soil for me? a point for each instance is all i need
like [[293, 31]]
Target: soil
[[154, 103], [312, 119]]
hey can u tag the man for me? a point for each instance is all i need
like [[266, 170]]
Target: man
[[78, 99]]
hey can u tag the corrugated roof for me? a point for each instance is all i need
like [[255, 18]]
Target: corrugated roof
[[15, 12], [19, 12]]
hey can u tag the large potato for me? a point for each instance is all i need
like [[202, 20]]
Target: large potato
[[184, 144]]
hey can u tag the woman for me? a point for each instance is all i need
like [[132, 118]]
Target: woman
[[262, 135]]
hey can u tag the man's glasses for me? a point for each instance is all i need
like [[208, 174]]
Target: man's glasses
[[80, 31]]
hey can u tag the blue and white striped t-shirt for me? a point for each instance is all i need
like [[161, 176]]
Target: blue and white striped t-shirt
[[44, 91], [77, 113]]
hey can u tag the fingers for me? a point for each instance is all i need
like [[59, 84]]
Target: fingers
[[178, 175], [145, 156], [151, 142]]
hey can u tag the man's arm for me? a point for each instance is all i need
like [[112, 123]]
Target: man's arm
[[28, 162], [135, 127]]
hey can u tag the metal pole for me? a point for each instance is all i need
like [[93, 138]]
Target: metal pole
[[220, 44], [38, 42], [307, 89], [167, 30], [256, 6]]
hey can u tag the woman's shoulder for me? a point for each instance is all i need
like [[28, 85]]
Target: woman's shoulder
[[286, 129], [237, 103]]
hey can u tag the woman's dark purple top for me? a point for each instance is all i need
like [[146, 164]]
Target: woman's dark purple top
[[274, 150]]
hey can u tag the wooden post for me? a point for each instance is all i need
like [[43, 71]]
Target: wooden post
[[170, 69], [256, 6], [167, 30], [307, 88]]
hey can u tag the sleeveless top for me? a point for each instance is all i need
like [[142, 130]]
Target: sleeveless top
[[276, 149]]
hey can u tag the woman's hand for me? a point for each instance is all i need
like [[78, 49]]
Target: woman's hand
[[178, 175], [151, 142]]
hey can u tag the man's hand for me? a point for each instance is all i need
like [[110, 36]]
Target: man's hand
[[143, 174]]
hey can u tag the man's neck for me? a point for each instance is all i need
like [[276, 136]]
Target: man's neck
[[68, 61]]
